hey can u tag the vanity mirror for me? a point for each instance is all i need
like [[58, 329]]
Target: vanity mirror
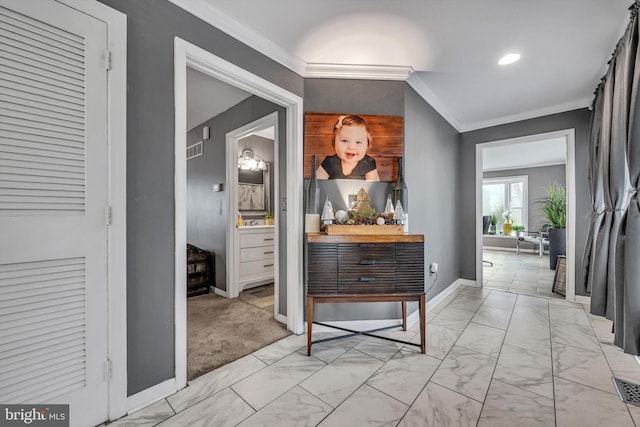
[[254, 191]]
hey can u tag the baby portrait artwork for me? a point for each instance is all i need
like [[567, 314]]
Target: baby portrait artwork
[[353, 146]]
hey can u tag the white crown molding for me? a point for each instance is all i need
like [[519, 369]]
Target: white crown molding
[[427, 94], [531, 114], [350, 71], [524, 166], [247, 35]]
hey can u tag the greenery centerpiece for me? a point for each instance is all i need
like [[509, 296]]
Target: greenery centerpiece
[[554, 206]]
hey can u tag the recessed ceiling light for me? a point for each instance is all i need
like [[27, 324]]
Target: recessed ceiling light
[[509, 58]]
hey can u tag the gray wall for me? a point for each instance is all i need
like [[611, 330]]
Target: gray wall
[[359, 97], [578, 120], [539, 179], [151, 28], [207, 212], [431, 154]]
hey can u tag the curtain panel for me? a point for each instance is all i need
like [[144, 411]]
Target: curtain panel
[[612, 255]]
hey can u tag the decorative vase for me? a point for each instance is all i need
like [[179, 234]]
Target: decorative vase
[[400, 191], [557, 245], [506, 228], [312, 217]]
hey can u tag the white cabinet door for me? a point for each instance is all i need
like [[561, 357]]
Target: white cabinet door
[[53, 195]]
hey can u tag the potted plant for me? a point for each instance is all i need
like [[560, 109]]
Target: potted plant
[[554, 206], [268, 219], [519, 229], [493, 222]]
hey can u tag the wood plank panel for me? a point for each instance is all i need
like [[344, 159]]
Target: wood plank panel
[[385, 148]]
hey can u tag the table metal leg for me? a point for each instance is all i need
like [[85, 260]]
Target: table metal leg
[[423, 321], [309, 324]]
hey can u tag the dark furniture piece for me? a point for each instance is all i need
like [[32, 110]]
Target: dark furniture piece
[[200, 271], [365, 268]]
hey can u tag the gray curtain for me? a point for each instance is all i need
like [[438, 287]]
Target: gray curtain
[[612, 257]]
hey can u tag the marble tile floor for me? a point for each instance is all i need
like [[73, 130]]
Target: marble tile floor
[[526, 272], [494, 358]]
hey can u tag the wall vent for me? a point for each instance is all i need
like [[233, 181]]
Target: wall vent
[[194, 150]]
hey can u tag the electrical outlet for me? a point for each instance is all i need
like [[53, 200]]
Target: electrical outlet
[[433, 268]]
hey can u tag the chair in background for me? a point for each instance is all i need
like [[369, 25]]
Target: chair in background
[[538, 238], [486, 221]]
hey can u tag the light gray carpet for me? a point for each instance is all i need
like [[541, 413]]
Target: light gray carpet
[[221, 330]]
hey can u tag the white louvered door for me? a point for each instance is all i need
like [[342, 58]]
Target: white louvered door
[[53, 195]]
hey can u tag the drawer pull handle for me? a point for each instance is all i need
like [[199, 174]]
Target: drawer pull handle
[[270, 252], [266, 240], [367, 245], [367, 261], [268, 265], [367, 279]]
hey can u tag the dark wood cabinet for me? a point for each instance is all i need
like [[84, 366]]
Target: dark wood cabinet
[[365, 268]]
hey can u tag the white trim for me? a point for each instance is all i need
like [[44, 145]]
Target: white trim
[[151, 395], [530, 165], [199, 59], [531, 114], [465, 282], [281, 318], [352, 71], [117, 252], [218, 291], [233, 234], [569, 135], [228, 24], [583, 299], [432, 99], [448, 291]]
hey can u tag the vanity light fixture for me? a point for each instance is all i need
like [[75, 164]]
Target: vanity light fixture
[[248, 160], [509, 58]]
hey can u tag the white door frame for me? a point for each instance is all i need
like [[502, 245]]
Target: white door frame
[[187, 54], [569, 136], [117, 233], [233, 235]]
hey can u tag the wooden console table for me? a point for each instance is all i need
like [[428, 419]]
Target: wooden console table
[[365, 268]]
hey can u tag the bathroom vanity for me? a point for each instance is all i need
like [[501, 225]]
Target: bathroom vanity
[[257, 255]]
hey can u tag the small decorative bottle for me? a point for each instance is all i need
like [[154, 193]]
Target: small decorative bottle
[[400, 191], [312, 217], [401, 196]]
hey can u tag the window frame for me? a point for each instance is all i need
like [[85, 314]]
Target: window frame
[[507, 180]]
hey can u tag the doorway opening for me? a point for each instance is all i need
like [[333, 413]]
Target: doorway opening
[[290, 203], [523, 182]]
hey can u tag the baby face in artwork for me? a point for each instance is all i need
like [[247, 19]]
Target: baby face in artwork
[[351, 144]]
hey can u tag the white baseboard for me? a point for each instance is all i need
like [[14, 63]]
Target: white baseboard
[[151, 395], [448, 291], [412, 318], [281, 318], [218, 291], [583, 299]]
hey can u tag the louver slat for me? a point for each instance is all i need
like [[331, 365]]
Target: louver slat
[[40, 324], [42, 122]]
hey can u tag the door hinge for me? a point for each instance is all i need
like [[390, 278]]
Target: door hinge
[[107, 215], [107, 370], [107, 60]]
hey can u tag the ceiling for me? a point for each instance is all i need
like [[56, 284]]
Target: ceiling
[[207, 97], [447, 50], [517, 155]]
